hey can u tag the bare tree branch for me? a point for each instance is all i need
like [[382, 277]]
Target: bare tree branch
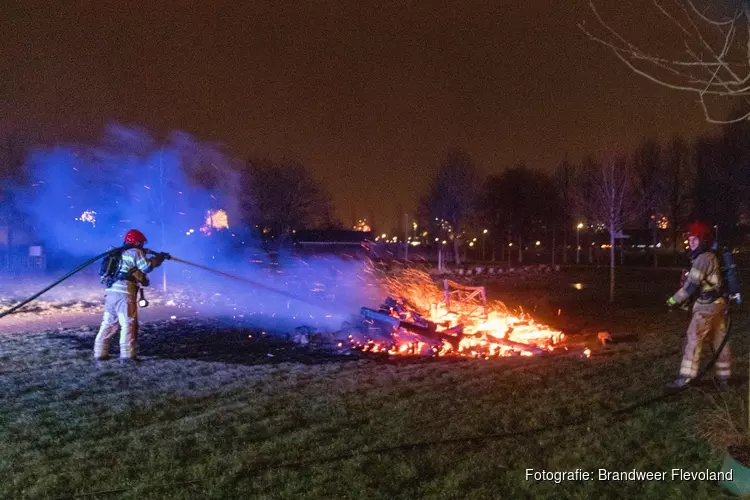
[[708, 69]]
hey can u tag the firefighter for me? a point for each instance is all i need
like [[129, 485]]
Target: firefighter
[[710, 310], [120, 307]]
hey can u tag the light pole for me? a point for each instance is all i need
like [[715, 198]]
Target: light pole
[[484, 238], [578, 242]]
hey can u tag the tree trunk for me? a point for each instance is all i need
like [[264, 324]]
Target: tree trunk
[[456, 251], [553, 246], [520, 250], [565, 246], [611, 263]]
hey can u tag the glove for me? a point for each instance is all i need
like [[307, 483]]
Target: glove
[[735, 299], [162, 256], [673, 305]]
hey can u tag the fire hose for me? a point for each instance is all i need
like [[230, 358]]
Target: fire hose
[[142, 299], [53, 285], [621, 411]]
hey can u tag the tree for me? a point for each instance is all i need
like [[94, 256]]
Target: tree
[[649, 182], [521, 203], [678, 175], [564, 180], [12, 174], [607, 196], [721, 180], [713, 61], [284, 197], [451, 199]]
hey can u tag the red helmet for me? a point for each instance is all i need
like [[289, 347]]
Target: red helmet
[[135, 237], [700, 230]]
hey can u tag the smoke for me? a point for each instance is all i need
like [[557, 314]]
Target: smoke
[[187, 197]]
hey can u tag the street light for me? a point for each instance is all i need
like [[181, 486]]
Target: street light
[[484, 237], [578, 242]]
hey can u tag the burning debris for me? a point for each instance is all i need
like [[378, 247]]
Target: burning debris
[[215, 220], [456, 321]]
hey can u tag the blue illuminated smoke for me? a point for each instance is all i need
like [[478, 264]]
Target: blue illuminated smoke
[[84, 198], [129, 180]]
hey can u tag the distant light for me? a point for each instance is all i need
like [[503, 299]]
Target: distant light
[[580, 225], [437, 239], [471, 244], [578, 286], [384, 236], [444, 242], [510, 244], [538, 243], [484, 232]]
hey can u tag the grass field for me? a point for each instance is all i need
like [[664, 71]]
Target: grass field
[[219, 410]]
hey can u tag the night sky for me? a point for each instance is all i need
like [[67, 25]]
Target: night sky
[[369, 95]]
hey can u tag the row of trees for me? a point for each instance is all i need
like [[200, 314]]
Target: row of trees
[[655, 189]]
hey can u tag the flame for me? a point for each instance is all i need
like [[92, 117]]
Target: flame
[[498, 332], [215, 219]]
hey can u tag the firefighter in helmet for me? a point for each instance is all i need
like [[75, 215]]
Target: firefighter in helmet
[[709, 317], [120, 307]]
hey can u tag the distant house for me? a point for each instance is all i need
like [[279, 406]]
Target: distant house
[[20, 252], [336, 241]]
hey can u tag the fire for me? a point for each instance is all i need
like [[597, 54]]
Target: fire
[[454, 321], [215, 219]]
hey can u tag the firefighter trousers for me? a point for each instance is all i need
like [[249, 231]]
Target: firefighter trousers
[[120, 313], [709, 323]]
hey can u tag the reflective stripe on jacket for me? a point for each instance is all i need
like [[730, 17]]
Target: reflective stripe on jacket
[[704, 277]]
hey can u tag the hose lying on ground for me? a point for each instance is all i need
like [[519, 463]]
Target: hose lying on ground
[[53, 285], [621, 412]]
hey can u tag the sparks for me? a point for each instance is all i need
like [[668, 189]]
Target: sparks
[[88, 216]]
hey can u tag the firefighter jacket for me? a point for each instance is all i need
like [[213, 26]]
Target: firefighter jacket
[[704, 279], [133, 269]]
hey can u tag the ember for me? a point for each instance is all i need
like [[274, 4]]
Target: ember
[[454, 321]]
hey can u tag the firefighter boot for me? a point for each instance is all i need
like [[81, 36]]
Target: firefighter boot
[[722, 384], [100, 363], [678, 383]]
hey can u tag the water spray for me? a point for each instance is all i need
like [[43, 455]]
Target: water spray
[[237, 278], [142, 301]]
